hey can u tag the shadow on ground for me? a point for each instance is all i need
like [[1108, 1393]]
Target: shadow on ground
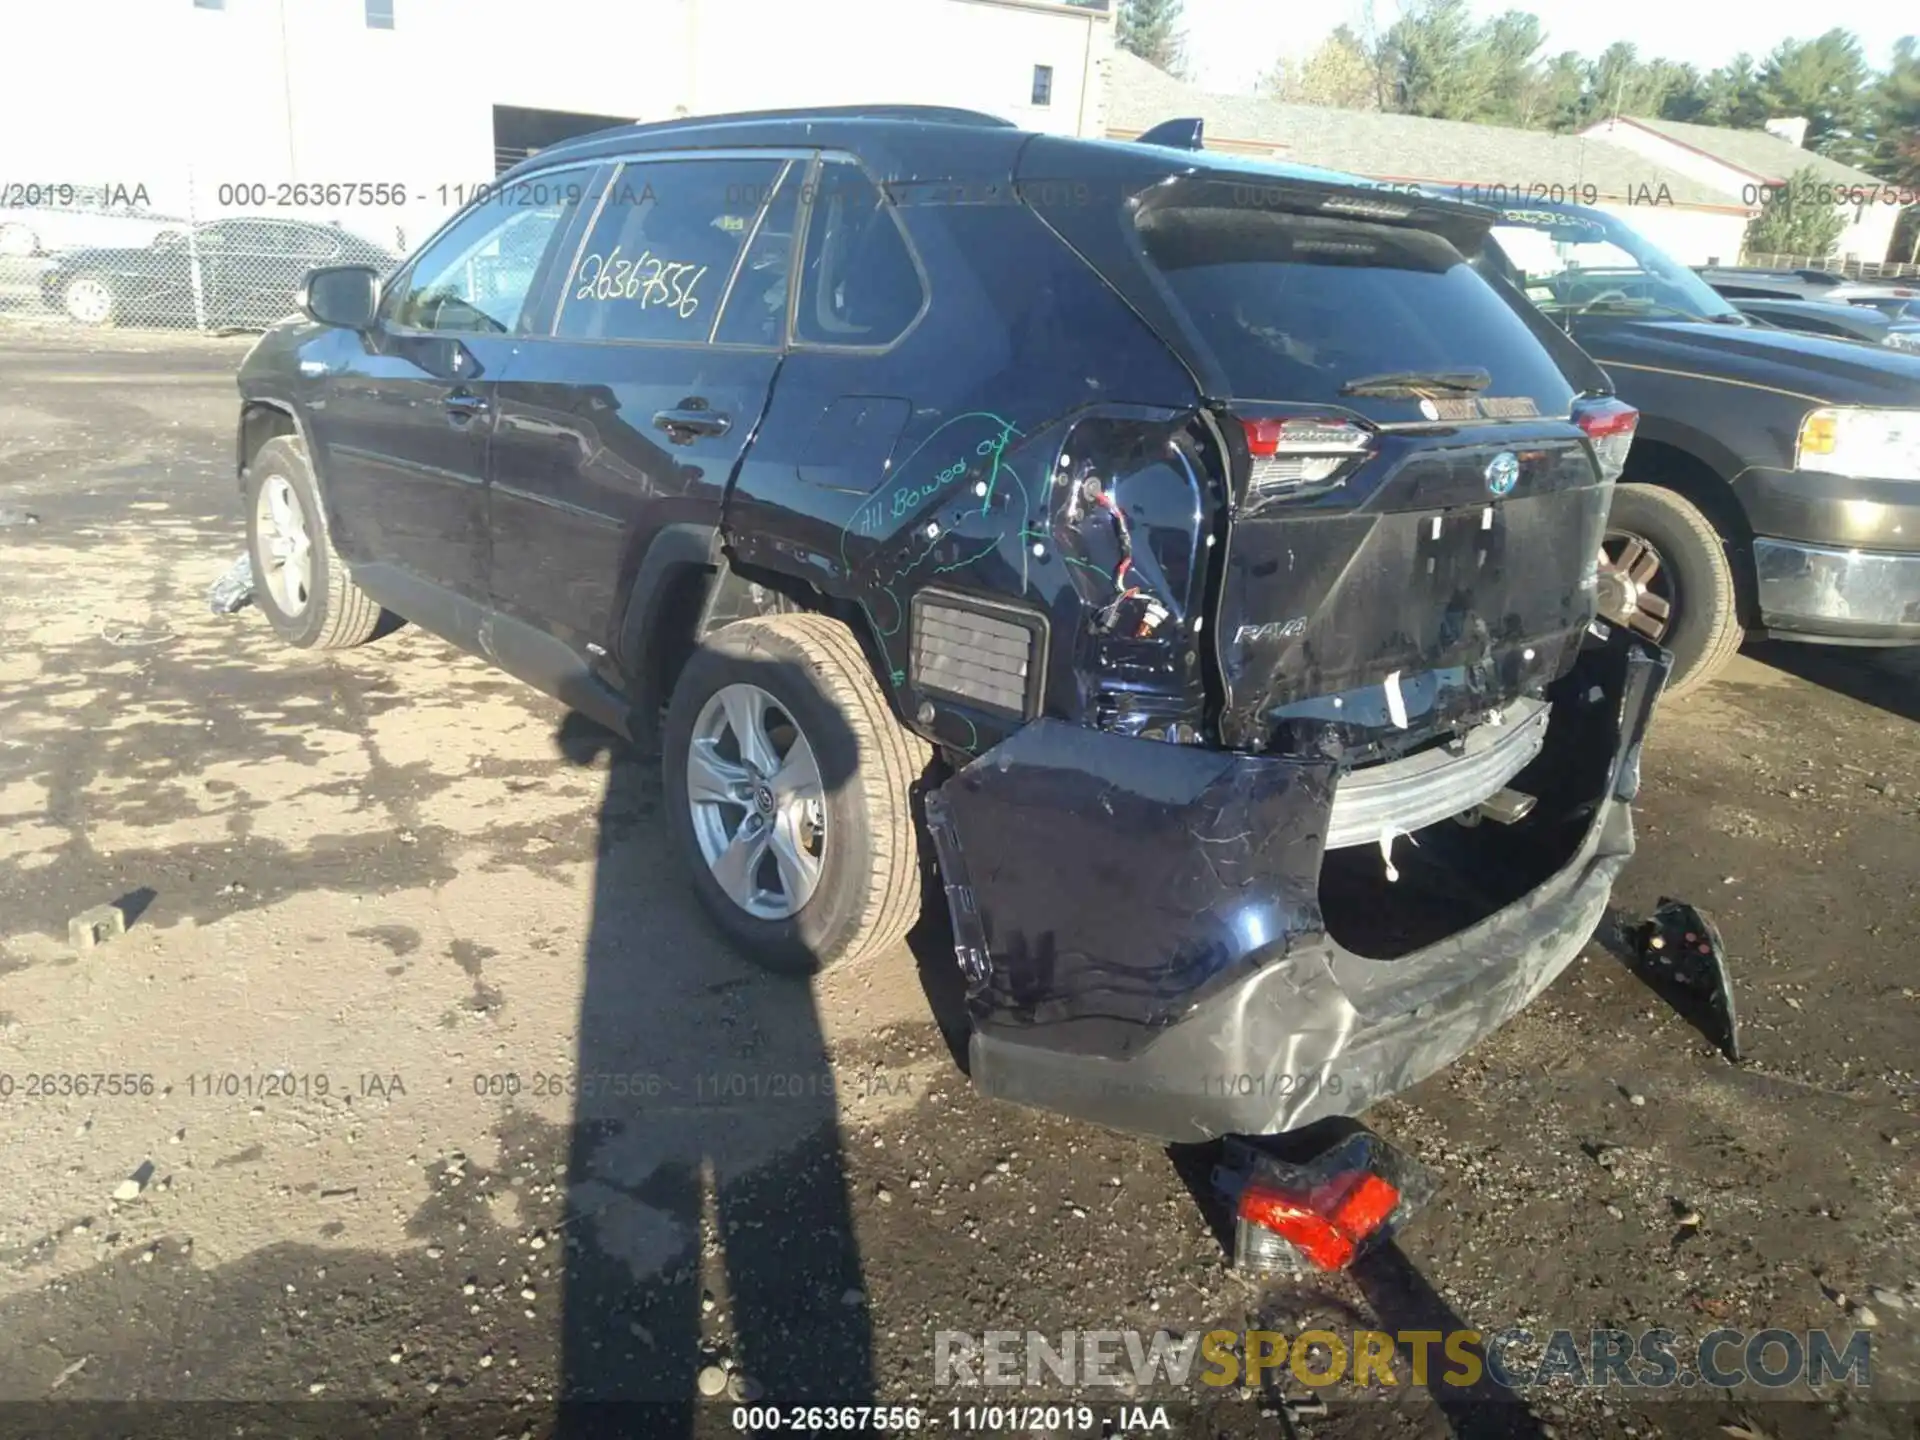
[[709, 1226], [1889, 679]]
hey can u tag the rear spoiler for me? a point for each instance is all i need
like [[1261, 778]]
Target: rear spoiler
[[1182, 134]]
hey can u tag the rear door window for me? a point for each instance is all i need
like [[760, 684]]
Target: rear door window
[[1294, 307], [860, 285], [663, 249], [755, 309]]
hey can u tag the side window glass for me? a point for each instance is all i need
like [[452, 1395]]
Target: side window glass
[[755, 312], [859, 283], [663, 248], [475, 278]]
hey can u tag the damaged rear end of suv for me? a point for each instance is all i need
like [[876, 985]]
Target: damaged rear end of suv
[[1207, 547], [1333, 772]]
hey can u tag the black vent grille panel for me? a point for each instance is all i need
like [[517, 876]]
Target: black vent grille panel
[[977, 653]]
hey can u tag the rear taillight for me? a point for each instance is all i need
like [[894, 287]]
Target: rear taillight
[[1303, 456], [1609, 424], [1326, 1225], [1323, 1213]]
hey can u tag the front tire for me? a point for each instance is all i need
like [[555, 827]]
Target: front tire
[[789, 793], [1667, 577], [300, 584]]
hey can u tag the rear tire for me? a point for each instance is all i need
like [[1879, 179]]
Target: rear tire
[[1690, 573], [805, 677], [299, 583]]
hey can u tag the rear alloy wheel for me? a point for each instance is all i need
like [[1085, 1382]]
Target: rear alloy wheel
[[88, 300], [1664, 575], [789, 793], [754, 795]]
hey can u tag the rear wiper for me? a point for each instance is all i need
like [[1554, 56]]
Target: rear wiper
[[1419, 382]]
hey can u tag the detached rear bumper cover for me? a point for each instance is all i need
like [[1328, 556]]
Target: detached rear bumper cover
[[1140, 929]]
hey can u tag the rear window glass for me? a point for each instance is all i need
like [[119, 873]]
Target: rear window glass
[[859, 285], [1293, 307]]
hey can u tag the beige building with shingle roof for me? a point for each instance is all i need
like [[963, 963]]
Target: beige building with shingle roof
[[1743, 162], [1696, 211]]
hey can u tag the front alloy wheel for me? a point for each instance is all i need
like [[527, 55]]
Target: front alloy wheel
[[286, 545], [301, 586], [757, 805]]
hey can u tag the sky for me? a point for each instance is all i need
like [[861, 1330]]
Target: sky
[[1231, 42]]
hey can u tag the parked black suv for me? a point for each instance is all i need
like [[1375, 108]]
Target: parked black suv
[[1190, 535], [1774, 481]]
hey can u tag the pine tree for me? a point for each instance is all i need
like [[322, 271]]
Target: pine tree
[[1151, 30], [1825, 80], [1797, 219], [1897, 155]]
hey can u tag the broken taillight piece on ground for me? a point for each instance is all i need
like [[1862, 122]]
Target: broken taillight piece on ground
[[1323, 1214], [1682, 947]]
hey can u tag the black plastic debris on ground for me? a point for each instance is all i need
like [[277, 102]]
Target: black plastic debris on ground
[[233, 590], [1679, 952], [10, 516]]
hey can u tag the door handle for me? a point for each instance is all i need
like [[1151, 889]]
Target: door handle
[[463, 405], [684, 425]]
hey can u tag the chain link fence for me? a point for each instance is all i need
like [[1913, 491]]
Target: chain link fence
[[191, 251]]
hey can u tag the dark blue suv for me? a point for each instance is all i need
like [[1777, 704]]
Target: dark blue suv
[[1200, 551]]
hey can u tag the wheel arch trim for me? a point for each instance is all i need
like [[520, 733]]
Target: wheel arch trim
[[251, 405]]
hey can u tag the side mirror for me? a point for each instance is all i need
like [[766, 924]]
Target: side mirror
[[346, 296]]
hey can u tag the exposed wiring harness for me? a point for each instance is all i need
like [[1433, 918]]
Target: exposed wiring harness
[[1152, 613]]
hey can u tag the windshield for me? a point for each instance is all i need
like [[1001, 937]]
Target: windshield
[[1588, 262]]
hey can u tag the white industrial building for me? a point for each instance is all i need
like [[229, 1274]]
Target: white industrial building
[[194, 99]]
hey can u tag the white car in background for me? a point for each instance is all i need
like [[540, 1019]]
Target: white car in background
[[52, 219]]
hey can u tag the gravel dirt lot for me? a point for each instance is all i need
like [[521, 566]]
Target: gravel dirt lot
[[367, 887]]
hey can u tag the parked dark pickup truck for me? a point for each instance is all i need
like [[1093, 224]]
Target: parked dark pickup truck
[[1775, 476]]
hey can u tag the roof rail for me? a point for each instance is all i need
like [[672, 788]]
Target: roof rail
[[1182, 134], [926, 114]]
